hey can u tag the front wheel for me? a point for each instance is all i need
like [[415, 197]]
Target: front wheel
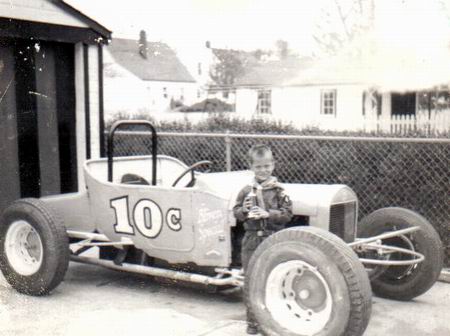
[[34, 248], [404, 282], [306, 281]]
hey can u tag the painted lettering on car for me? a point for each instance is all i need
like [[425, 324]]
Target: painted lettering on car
[[146, 217]]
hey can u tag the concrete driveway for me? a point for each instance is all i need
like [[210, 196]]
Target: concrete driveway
[[96, 301]]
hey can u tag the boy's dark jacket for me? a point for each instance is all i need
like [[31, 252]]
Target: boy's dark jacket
[[276, 203]]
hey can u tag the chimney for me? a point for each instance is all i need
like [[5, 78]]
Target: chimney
[[143, 44]]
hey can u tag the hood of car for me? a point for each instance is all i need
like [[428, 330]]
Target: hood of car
[[307, 199]]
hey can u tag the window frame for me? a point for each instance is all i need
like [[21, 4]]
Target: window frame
[[328, 104], [264, 102]]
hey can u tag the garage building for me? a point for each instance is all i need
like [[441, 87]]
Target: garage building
[[51, 97]]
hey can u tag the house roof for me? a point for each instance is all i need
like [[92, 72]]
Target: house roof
[[53, 20], [273, 73], [386, 68], [161, 64]]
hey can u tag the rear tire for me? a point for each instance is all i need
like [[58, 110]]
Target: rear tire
[[404, 283], [34, 247], [306, 281]]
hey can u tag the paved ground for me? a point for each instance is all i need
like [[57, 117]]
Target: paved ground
[[96, 301]]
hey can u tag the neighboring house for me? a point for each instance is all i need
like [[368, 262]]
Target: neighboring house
[[50, 97], [205, 62], [198, 61], [378, 91], [349, 92], [261, 90], [143, 76]]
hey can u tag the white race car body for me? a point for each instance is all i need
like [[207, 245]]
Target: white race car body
[[185, 224]]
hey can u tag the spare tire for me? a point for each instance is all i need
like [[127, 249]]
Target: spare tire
[[404, 282], [307, 281], [34, 247]]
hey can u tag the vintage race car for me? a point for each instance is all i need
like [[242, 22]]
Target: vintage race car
[[155, 215]]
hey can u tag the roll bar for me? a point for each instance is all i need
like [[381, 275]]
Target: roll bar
[[110, 149]]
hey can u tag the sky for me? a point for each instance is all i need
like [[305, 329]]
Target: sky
[[239, 24], [252, 24]]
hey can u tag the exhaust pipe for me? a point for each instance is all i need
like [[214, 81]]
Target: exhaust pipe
[[161, 272]]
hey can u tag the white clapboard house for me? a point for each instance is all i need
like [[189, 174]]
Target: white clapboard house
[[369, 90], [145, 77]]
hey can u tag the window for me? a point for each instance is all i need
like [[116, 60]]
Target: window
[[435, 100], [264, 105], [328, 102]]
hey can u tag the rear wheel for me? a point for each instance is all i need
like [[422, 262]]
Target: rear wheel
[[34, 248], [306, 281], [404, 282]]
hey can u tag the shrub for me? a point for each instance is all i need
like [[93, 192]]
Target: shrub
[[222, 122]]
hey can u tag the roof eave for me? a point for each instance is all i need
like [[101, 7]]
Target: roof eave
[[103, 31]]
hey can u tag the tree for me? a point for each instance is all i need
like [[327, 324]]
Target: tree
[[282, 48], [341, 22], [227, 67]]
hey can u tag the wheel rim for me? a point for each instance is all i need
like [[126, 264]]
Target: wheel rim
[[23, 248], [298, 297]]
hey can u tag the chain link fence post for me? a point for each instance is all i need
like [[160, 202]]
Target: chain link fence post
[[228, 150]]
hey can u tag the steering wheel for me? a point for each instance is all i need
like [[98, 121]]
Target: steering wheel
[[191, 169]]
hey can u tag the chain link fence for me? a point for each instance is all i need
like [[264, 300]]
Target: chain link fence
[[411, 173]]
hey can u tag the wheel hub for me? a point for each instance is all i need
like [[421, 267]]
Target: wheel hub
[[399, 272], [298, 297], [23, 248]]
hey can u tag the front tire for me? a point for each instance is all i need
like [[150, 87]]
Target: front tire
[[34, 247], [404, 283], [306, 281]]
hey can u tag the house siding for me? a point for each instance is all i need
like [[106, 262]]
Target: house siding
[[94, 105], [94, 127], [246, 101], [302, 106], [80, 116]]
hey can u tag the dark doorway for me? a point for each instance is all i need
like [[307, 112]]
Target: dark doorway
[[27, 128], [9, 166], [41, 114], [403, 104]]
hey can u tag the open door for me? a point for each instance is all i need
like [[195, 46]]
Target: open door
[[403, 104]]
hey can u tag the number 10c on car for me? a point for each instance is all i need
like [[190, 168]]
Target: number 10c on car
[[147, 217]]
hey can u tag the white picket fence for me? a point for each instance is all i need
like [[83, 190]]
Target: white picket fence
[[402, 124]]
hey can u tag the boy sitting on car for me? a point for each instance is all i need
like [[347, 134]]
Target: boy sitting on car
[[263, 208]]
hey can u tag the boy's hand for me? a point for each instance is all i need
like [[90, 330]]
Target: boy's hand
[[258, 213], [247, 205]]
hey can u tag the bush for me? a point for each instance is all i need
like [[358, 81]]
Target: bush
[[208, 105], [222, 122]]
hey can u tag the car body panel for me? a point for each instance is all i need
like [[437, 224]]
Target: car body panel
[[177, 224]]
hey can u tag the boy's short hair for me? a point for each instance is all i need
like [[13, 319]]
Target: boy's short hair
[[258, 151]]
